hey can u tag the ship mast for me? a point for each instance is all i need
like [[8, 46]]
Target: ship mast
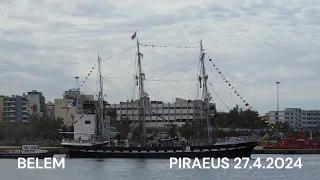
[[100, 99], [141, 93], [205, 95]]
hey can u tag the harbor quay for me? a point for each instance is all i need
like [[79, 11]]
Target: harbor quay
[[257, 150]]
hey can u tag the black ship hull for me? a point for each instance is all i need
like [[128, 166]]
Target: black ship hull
[[24, 155], [214, 151]]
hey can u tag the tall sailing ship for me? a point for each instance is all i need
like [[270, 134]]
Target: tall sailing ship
[[100, 144]]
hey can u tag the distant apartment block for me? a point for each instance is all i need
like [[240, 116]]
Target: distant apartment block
[[297, 118], [37, 105], [15, 109], [71, 93], [50, 110], [159, 113]]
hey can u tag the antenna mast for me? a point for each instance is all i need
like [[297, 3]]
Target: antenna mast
[[141, 93], [205, 95]]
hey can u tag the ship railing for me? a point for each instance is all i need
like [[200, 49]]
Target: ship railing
[[79, 141]]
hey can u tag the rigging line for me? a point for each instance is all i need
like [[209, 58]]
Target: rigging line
[[109, 82], [167, 56], [171, 80], [176, 70], [238, 92], [165, 81], [156, 92], [94, 66], [183, 47], [120, 70], [110, 77], [197, 83], [118, 53], [219, 96], [122, 66], [218, 80], [151, 91], [188, 71]]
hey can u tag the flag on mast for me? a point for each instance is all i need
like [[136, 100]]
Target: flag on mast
[[134, 35]]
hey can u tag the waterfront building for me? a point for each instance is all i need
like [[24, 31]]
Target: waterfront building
[[297, 118], [159, 113], [15, 109]]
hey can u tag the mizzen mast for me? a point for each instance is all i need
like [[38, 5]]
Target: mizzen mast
[[205, 95]]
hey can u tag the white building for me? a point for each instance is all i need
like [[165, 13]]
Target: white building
[[298, 118], [85, 124], [160, 113], [274, 116]]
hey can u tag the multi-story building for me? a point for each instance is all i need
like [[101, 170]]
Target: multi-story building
[[1, 107], [37, 105], [62, 108], [50, 110], [71, 93], [15, 109], [274, 116], [159, 113], [298, 118]]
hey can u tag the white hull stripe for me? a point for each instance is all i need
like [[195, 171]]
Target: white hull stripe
[[169, 151]]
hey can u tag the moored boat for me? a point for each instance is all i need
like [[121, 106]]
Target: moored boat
[[295, 142], [26, 151]]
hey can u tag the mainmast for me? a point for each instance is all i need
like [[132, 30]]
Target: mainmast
[[141, 93], [100, 98], [205, 95]]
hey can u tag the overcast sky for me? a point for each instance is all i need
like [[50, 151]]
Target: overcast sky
[[44, 44]]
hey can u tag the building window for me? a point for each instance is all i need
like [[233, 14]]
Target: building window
[[87, 122]]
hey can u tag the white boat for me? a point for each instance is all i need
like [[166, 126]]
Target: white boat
[[25, 152]]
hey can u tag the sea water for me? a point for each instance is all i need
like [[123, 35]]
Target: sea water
[[154, 169]]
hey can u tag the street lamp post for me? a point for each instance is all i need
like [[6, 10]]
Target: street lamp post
[[77, 77], [278, 82]]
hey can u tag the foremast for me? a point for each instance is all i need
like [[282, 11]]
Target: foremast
[[142, 94], [206, 97]]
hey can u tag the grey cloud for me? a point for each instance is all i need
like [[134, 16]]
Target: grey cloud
[[45, 44]]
